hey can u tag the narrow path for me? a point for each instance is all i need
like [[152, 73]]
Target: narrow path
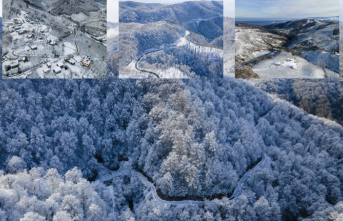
[[77, 48], [136, 66], [151, 193]]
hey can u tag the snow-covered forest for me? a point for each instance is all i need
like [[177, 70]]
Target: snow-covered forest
[[193, 139], [322, 98], [195, 149]]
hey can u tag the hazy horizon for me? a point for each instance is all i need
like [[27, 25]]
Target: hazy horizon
[[274, 19]]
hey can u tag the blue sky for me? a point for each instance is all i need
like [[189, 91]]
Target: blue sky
[[286, 9]]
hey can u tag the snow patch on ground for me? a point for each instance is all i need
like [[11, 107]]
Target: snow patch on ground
[[322, 58], [172, 73], [69, 48], [302, 68]]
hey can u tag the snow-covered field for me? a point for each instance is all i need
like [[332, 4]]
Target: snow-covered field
[[79, 17], [297, 68]]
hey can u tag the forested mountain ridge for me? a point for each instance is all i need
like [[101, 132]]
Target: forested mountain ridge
[[68, 7], [322, 98], [205, 18], [176, 13]]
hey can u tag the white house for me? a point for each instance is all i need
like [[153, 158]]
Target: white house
[[71, 61], [60, 64], [57, 70], [46, 70], [14, 64]]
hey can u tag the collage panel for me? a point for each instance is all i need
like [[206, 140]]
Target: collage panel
[[171, 39], [287, 39], [54, 39]]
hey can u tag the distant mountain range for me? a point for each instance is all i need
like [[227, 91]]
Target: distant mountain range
[[68, 7], [204, 18], [267, 21], [332, 18]]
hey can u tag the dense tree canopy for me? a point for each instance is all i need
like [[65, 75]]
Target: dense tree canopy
[[191, 138]]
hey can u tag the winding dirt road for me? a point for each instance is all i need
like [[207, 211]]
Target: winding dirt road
[[151, 192]]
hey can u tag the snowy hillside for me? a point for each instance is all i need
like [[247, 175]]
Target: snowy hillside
[[314, 44], [58, 7], [164, 150], [252, 43], [176, 13]]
